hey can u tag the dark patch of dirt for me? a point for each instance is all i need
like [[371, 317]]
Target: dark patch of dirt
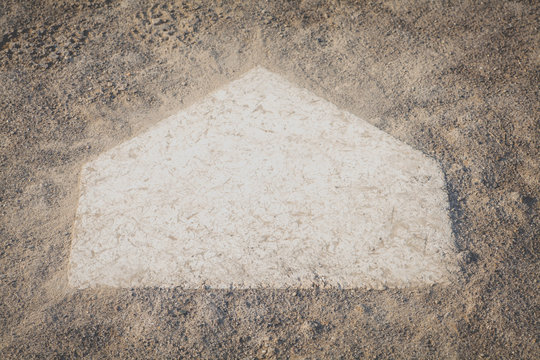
[[458, 81]]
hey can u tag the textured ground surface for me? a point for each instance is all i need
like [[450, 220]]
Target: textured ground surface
[[458, 82]]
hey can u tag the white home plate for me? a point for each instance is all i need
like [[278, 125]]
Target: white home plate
[[262, 184]]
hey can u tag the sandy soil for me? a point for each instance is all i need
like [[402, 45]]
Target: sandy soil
[[457, 81]]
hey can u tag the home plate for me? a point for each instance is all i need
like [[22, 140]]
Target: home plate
[[262, 185]]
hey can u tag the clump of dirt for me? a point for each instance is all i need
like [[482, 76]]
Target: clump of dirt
[[457, 81]]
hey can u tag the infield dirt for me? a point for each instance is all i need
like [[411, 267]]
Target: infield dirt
[[457, 81]]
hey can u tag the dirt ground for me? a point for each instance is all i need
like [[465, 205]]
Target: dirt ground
[[458, 81]]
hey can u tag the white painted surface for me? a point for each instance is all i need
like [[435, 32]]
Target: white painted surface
[[262, 184]]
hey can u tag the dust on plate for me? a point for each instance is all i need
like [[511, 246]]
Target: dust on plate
[[262, 184]]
